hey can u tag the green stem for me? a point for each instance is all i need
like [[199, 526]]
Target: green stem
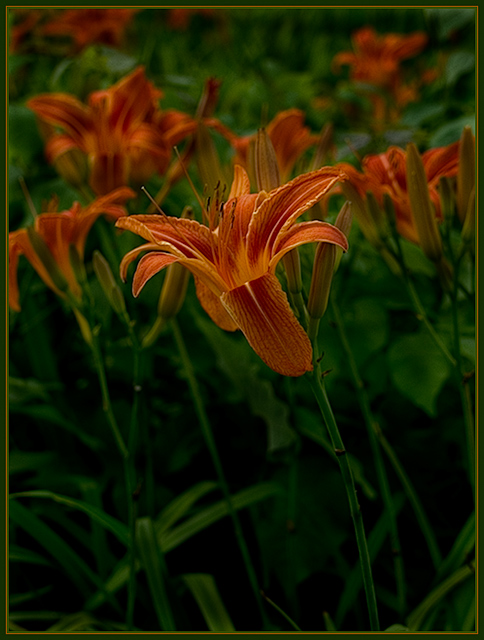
[[371, 427], [317, 384], [283, 613], [210, 442]]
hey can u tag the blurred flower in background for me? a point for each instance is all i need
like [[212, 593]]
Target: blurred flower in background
[[123, 134], [47, 245]]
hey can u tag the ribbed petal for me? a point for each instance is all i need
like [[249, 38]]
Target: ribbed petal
[[149, 266], [212, 305], [188, 236], [65, 111], [261, 310], [282, 206], [304, 232]]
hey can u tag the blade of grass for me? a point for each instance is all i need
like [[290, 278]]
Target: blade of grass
[[71, 563], [181, 505], [462, 546], [95, 513], [205, 592], [18, 554], [418, 615], [172, 538], [154, 565]]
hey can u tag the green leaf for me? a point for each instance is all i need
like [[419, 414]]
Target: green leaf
[[418, 615], [419, 370], [205, 592], [98, 515], [396, 628], [18, 554], [366, 323], [154, 566], [212, 514], [451, 131], [169, 539], [81, 621], [178, 507], [71, 563], [462, 546], [458, 63]]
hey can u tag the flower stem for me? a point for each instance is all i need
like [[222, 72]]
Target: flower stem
[[210, 442], [317, 384], [371, 426]]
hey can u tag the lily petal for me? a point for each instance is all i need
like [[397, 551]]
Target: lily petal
[[261, 310], [304, 232], [149, 266], [282, 206], [212, 305]]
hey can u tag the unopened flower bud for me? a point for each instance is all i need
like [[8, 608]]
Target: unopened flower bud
[[266, 168], [326, 261], [365, 221], [72, 166], [469, 226], [209, 168], [466, 177], [108, 283], [421, 206], [446, 196], [323, 150], [52, 271]]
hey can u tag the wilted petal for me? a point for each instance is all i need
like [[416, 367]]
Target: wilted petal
[[261, 310]]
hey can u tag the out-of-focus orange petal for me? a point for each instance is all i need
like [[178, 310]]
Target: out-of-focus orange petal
[[212, 305], [261, 310], [65, 111], [241, 183]]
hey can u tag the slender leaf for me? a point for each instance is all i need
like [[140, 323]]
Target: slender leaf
[[72, 564], [18, 554], [154, 566], [181, 505], [205, 592], [418, 615], [98, 515], [462, 546]]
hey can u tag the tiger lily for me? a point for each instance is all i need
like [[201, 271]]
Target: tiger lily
[[387, 173], [88, 26], [48, 245], [121, 131], [234, 259], [375, 60]]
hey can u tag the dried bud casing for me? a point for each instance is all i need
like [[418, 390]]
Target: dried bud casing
[[108, 283], [421, 206], [466, 175]]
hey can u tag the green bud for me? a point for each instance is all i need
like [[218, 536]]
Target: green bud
[[47, 260], [108, 283], [266, 168], [422, 208]]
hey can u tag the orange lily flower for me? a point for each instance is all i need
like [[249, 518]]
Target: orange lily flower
[[123, 134], [375, 60], [89, 26], [289, 135], [386, 172], [234, 260], [59, 231]]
